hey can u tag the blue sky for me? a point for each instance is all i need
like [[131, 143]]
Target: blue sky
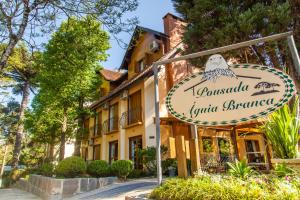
[[150, 14]]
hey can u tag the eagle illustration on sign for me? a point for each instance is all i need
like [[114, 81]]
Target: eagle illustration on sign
[[229, 94], [215, 67]]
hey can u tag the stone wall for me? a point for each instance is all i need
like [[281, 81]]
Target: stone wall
[[293, 163], [55, 189]]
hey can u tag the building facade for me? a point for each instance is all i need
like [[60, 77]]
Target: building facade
[[124, 117]]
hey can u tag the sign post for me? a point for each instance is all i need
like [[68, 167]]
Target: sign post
[[157, 126], [296, 60]]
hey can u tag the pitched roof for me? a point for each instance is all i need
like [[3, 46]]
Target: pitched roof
[[111, 75], [136, 34], [127, 83], [174, 16]]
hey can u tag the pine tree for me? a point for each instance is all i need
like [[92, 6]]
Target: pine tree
[[213, 23]]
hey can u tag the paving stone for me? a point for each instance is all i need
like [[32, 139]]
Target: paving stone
[[16, 194]]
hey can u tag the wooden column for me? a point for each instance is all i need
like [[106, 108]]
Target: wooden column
[[195, 158], [194, 150], [181, 156], [234, 142]]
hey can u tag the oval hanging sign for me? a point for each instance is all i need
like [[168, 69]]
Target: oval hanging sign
[[228, 95]]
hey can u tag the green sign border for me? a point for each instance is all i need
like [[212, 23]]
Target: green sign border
[[289, 92]]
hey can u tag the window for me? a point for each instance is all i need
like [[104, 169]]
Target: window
[[86, 128], [135, 144], [253, 151], [96, 152], [134, 108], [96, 124], [99, 125], [84, 153], [113, 151], [224, 147], [113, 117], [207, 144], [102, 92], [140, 65]]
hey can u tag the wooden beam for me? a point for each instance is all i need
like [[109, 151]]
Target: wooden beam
[[181, 156]]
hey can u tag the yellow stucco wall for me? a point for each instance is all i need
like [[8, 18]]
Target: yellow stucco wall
[[140, 49]]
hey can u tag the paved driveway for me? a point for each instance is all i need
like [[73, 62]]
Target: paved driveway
[[118, 191], [16, 194]]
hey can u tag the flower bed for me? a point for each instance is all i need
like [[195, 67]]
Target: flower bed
[[211, 187]]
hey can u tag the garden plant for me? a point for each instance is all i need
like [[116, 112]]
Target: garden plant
[[122, 168], [70, 167]]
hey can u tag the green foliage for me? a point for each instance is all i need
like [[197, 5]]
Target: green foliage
[[16, 174], [167, 164], [47, 169], [148, 156], [137, 173], [214, 23], [98, 168], [70, 167], [72, 57], [68, 77], [122, 168], [214, 187], [282, 131], [282, 170], [240, 169], [32, 154]]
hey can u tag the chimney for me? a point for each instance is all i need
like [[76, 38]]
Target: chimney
[[174, 28]]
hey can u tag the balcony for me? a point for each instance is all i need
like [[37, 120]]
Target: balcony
[[110, 125], [95, 131], [131, 117]]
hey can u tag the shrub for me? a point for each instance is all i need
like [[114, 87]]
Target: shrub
[[70, 167], [282, 170], [137, 173], [148, 156], [122, 168], [240, 169], [16, 174], [281, 130], [98, 168], [47, 169], [167, 164], [214, 187]]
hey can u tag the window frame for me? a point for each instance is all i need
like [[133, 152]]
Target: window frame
[[116, 155], [130, 108], [94, 147], [115, 117]]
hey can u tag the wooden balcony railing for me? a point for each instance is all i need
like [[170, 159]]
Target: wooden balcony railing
[[132, 116]]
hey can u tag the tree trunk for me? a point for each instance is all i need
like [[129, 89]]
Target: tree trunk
[[52, 147], [14, 38], [80, 130], [20, 126], [63, 135], [4, 160]]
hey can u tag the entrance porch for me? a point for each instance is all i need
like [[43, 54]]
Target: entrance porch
[[210, 148]]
